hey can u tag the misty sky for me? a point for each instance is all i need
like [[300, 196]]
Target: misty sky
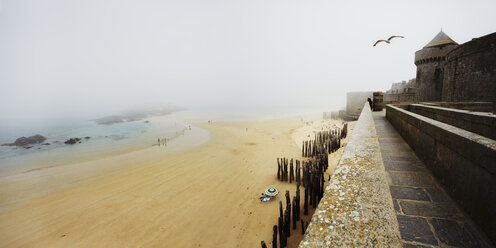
[[63, 58]]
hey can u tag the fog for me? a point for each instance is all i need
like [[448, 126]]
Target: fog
[[63, 59]]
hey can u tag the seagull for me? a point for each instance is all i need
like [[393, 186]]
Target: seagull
[[389, 40]]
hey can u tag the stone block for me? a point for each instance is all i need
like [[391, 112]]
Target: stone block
[[407, 245], [451, 233], [402, 166], [416, 229], [437, 195], [428, 209], [413, 179], [408, 193]]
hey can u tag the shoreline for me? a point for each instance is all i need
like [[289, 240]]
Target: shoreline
[[147, 197], [33, 162]]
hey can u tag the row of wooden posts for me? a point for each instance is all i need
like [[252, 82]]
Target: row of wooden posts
[[309, 174], [328, 141], [288, 221], [313, 182]]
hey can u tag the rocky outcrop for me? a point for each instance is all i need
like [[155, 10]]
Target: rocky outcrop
[[109, 120], [136, 115], [25, 141], [72, 141]]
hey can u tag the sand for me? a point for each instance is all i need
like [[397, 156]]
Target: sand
[[205, 196]]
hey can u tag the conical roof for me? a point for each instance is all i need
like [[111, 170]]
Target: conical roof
[[441, 39]]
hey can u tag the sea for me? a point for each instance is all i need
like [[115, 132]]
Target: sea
[[108, 140]]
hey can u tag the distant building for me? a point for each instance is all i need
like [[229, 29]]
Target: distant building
[[401, 92], [355, 102], [447, 71]]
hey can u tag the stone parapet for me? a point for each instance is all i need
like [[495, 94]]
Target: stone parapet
[[357, 209], [477, 122]]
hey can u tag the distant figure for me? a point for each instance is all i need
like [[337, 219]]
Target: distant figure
[[158, 141], [165, 141], [370, 102], [246, 129]]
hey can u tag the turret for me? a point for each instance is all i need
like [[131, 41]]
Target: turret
[[430, 62]]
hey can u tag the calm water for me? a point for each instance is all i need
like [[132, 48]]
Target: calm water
[[104, 140], [117, 138]]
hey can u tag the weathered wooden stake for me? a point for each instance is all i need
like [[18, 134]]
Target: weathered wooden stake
[[263, 244], [274, 237], [305, 202]]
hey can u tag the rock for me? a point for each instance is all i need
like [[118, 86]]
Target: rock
[[146, 121], [72, 141], [87, 137], [24, 141], [109, 120], [46, 144]]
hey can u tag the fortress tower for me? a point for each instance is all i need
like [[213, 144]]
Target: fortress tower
[[430, 61]]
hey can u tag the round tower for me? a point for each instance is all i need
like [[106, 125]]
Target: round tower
[[430, 62]]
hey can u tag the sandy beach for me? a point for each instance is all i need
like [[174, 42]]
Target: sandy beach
[[201, 196]]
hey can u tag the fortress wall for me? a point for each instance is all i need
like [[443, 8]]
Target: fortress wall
[[470, 71], [357, 208], [471, 106], [480, 123], [430, 63], [462, 161]]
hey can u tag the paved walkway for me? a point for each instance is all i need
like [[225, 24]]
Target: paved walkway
[[427, 216]]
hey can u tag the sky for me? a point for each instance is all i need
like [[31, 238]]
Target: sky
[[68, 59]]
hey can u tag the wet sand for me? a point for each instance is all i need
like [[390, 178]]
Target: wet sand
[[206, 196]]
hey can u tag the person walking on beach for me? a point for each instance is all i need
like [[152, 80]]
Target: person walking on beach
[[158, 141]]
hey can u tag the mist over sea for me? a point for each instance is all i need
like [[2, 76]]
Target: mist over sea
[[106, 140]]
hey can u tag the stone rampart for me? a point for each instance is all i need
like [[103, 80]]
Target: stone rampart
[[470, 71], [462, 161], [477, 122], [357, 208]]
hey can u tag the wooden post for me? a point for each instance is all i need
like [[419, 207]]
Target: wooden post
[[305, 202], [274, 237], [281, 233], [291, 172], [294, 213], [263, 244], [287, 222], [297, 202]]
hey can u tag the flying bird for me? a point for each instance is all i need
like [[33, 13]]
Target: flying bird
[[388, 40]]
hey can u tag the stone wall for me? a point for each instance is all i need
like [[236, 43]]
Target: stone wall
[[470, 71], [430, 65], [357, 209], [462, 161], [354, 102], [480, 123], [400, 97], [471, 106]]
